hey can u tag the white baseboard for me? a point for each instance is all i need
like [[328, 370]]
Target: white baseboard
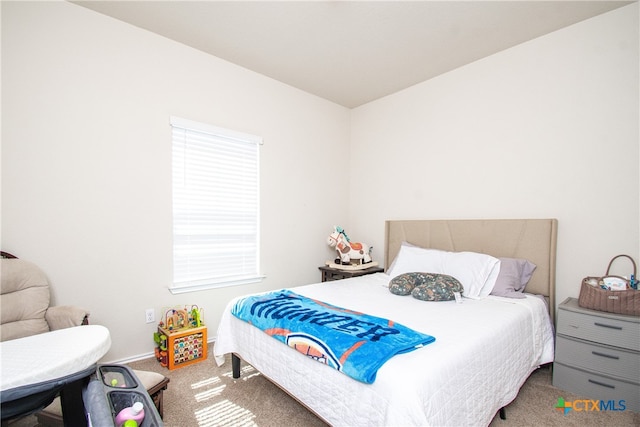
[[140, 356]]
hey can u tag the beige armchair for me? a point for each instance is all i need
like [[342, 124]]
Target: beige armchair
[[25, 311], [25, 299]]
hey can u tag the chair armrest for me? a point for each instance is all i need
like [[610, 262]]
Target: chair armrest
[[65, 316]]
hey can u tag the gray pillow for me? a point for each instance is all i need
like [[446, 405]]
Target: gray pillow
[[514, 275]]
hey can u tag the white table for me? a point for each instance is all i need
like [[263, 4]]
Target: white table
[[35, 367]]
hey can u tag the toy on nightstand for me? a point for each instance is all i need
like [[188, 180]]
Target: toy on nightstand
[[347, 251]]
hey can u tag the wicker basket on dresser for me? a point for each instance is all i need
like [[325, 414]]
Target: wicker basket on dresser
[[598, 354]]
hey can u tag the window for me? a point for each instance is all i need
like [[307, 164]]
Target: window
[[216, 233]]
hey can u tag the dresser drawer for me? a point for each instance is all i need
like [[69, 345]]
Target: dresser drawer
[[593, 357], [604, 330], [599, 387]]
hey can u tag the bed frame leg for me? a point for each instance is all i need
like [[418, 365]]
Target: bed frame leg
[[503, 415], [235, 365]]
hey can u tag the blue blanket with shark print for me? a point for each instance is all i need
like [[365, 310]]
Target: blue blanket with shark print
[[354, 343]]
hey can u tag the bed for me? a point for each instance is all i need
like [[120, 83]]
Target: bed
[[484, 349]]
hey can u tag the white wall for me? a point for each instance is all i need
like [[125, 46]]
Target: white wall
[[86, 172], [547, 129]]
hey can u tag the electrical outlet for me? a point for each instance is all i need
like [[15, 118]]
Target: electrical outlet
[[150, 315]]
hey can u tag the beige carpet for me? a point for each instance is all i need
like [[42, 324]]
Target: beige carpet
[[204, 395]]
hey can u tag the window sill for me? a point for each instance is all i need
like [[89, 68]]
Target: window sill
[[183, 289]]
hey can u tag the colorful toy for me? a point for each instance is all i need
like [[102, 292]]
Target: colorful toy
[[347, 250], [176, 319], [184, 347], [181, 338], [161, 348], [195, 316], [160, 340]]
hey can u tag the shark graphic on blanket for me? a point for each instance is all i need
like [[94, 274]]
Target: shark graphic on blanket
[[354, 343]]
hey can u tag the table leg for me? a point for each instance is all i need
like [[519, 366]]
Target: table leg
[[235, 365], [73, 412]]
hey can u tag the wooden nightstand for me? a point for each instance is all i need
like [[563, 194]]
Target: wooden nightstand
[[598, 354], [329, 274]]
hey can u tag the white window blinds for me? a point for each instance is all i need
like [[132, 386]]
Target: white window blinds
[[216, 233]]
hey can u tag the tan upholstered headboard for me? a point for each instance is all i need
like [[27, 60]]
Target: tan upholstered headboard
[[532, 239]]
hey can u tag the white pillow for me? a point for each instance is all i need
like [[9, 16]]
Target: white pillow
[[414, 259], [404, 258], [476, 272]]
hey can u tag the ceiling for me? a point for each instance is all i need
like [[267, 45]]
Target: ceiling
[[351, 52]]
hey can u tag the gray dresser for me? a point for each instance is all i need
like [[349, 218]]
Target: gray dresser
[[598, 354]]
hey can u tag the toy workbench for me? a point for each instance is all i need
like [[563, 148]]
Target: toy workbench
[[181, 343]]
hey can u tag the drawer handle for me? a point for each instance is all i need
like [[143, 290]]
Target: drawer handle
[[607, 326], [602, 384], [610, 356]]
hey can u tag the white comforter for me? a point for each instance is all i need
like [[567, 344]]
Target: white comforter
[[483, 353]]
